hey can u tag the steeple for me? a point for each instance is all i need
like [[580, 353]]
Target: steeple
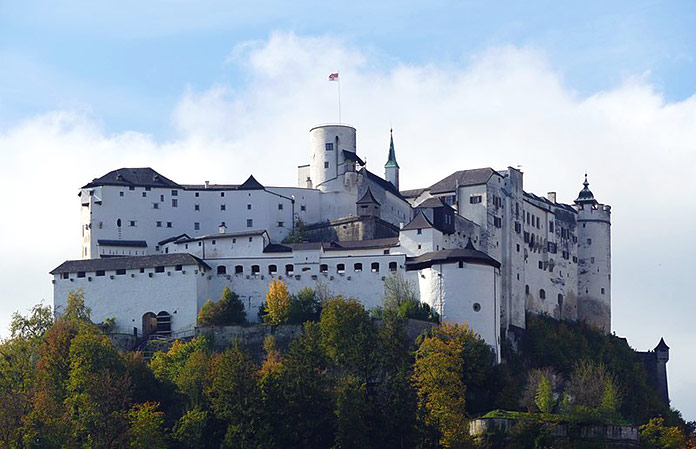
[[585, 196], [391, 168]]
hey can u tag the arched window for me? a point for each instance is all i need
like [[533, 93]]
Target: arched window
[[289, 269], [392, 266], [272, 269], [238, 269], [542, 294], [357, 267], [323, 268], [221, 269], [341, 268], [255, 269], [374, 267], [526, 289], [118, 222]]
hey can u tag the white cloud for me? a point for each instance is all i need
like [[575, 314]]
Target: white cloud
[[506, 106]]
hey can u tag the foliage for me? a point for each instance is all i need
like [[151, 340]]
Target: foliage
[[297, 235], [146, 427], [34, 326], [277, 303], [534, 379], [304, 306], [544, 396], [656, 435], [75, 308], [346, 334], [108, 325], [227, 311], [400, 297], [190, 430], [594, 392]]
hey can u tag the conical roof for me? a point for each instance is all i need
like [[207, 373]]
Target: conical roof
[[368, 198], [662, 346], [586, 196], [391, 162]]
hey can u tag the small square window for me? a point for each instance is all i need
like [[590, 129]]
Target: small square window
[[175, 202], [251, 239], [326, 165], [120, 194], [131, 188], [223, 207], [419, 231], [131, 223], [169, 224], [197, 194], [155, 205], [281, 224], [250, 222], [175, 192], [280, 206], [147, 189], [144, 194], [248, 206], [222, 194], [197, 207], [329, 147], [159, 224], [196, 226], [303, 208]]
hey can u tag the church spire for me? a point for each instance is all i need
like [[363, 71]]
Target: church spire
[[391, 168]]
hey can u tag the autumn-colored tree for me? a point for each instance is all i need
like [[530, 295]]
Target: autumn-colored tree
[[440, 385], [656, 435], [595, 392], [544, 396], [146, 427], [233, 392], [277, 303]]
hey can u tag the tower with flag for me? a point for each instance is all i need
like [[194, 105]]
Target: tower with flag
[[334, 77]]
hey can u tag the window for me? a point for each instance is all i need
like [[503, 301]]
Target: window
[[280, 206], [591, 259], [303, 208], [238, 269], [175, 202], [175, 192], [518, 227], [392, 266], [272, 269], [100, 273], [222, 194], [289, 269], [213, 241], [374, 267], [131, 223], [475, 199], [575, 259], [542, 294], [196, 226], [159, 224], [385, 252], [118, 223], [526, 289], [477, 307], [65, 275], [121, 272], [144, 194], [326, 165], [255, 269], [155, 205], [248, 206], [131, 188], [169, 224], [80, 274], [250, 222], [329, 147], [553, 248], [162, 198], [323, 268], [602, 290], [197, 207], [178, 267], [419, 231], [449, 199], [541, 265], [281, 224], [526, 237], [497, 222], [448, 219], [196, 194], [159, 269], [550, 226], [120, 193], [357, 267], [518, 247], [340, 268], [251, 239], [589, 241]]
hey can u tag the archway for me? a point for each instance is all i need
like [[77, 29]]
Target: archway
[[164, 323], [149, 324]]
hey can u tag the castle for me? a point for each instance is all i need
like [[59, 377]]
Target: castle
[[476, 246]]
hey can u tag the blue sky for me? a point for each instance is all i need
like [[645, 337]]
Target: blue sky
[[556, 87]]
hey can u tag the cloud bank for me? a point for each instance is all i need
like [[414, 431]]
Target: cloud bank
[[505, 106]]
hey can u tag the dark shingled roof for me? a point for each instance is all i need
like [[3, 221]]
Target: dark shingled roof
[[222, 235], [251, 184], [364, 244], [434, 202], [386, 185], [133, 177], [350, 156], [128, 262], [662, 346], [367, 198], [413, 193], [124, 243], [547, 201], [468, 255], [174, 239], [419, 222], [463, 178]]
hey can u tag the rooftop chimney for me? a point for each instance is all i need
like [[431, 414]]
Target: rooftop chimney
[[207, 183], [552, 197]]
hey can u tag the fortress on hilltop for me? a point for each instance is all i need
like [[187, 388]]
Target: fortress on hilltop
[[477, 247]]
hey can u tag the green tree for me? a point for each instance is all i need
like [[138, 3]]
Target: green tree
[[352, 414], [304, 306], [232, 389], [400, 297], [277, 303], [227, 311], [544, 396], [594, 390], [656, 435], [190, 430], [34, 326], [75, 308], [347, 335], [298, 234], [146, 427]]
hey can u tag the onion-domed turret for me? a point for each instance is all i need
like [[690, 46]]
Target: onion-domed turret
[[585, 196]]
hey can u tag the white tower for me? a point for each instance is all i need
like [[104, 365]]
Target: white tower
[[594, 260], [391, 168]]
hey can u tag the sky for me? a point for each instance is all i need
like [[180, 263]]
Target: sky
[[213, 90]]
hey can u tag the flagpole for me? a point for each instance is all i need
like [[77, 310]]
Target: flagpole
[[339, 99]]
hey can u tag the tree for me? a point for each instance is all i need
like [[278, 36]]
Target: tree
[[233, 392], [190, 429], [440, 385], [656, 435], [347, 335], [227, 311], [544, 396], [352, 414], [33, 326], [594, 391], [298, 234], [534, 379], [304, 306], [146, 425], [400, 297], [277, 303], [75, 308]]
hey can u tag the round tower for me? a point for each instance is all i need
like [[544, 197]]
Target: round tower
[[594, 259], [333, 153]]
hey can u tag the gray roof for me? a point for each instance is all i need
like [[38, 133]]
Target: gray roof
[[468, 255], [351, 156], [388, 242], [386, 185], [463, 178], [368, 198], [221, 235], [434, 202], [124, 243], [128, 262], [133, 177], [413, 193], [419, 222], [173, 239]]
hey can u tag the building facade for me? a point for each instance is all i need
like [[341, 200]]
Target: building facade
[[475, 246]]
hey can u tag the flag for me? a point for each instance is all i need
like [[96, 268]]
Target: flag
[[333, 77]]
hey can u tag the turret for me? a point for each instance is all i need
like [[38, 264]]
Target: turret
[[391, 168], [594, 259], [662, 357], [333, 153]]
